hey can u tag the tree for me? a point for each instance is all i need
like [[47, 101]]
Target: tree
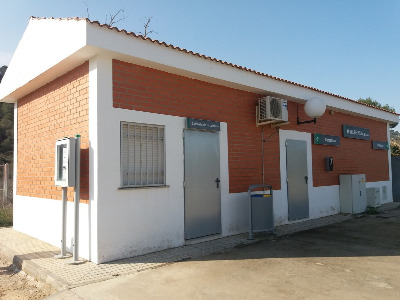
[[394, 143], [6, 127], [375, 103], [394, 148], [146, 27], [6, 132], [3, 70], [114, 18]]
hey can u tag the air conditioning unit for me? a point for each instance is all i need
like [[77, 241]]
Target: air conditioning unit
[[272, 109]]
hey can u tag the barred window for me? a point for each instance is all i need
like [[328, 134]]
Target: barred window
[[142, 155]]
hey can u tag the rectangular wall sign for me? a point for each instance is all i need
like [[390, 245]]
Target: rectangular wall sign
[[203, 124], [380, 145], [322, 139], [354, 132]]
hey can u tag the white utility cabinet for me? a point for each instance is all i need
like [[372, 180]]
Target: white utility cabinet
[[353, 196], [373, 197]]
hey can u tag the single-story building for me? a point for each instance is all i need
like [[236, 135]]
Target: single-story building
[[171, 140]]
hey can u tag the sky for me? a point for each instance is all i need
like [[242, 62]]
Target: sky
[[346, 47]]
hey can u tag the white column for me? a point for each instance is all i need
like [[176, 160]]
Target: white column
[[100, 98]]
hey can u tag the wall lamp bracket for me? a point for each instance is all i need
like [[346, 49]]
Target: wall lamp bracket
[[305, 122], [314, 108]]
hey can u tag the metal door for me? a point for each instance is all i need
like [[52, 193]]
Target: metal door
[[297, 179], [202, 184], [396, 178]]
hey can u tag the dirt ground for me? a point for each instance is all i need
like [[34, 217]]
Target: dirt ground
[[17, 285]]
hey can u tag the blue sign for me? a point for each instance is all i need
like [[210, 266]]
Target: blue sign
[[354, 132], [203, 124], [380, 145], [323, 139]]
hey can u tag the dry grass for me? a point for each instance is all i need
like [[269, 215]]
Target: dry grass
[[6, 215]]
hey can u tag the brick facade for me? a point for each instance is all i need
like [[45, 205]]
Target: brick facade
[[145, 89], [58, 109]]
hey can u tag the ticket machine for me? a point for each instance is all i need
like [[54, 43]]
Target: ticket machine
[[65, 163]]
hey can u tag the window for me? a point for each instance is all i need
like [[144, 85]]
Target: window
[[142, 155]]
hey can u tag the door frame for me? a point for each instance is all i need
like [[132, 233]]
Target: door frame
[[300, 136]]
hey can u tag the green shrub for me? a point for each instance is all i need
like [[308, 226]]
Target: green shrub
[[371, 211]]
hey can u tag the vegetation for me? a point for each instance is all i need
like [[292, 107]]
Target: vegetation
[[375, 103], [395, 143], [6, 127], [2, 72], [112, 19], [6, 215], [394, 148], [371, 211], [6, 132]]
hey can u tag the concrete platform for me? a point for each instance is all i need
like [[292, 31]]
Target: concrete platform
[[36, 258]]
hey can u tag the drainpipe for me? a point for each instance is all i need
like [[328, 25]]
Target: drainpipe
[[262, 151], [262, 154]]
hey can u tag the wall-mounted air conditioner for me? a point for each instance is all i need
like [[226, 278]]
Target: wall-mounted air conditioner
[[271, 109]]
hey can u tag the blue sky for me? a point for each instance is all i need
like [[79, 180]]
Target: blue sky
[[346, 47]]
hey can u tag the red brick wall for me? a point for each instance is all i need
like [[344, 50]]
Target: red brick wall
[[353, 156], [58, 109], [145, 89]]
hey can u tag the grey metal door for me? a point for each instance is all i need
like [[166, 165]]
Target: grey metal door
[[297, 179], [396, 178], [202, 184]]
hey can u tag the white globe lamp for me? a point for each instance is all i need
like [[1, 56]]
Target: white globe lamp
[[314, 108]]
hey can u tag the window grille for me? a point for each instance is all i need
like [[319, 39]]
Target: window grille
[[142, 155]]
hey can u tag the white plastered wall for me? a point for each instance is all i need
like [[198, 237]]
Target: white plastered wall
[[41, 219]]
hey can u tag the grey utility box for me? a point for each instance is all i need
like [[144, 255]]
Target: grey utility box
[[373, 197], [261, 208], [353, 196]]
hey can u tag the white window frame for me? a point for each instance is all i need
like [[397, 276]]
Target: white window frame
[[142, 155]]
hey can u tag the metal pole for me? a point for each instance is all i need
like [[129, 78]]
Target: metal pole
[[250, 215], [5, 184], [64, 222], [63, 253], [77, 197]]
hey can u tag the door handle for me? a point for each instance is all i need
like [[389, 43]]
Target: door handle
[[217, 181], [306, 178]]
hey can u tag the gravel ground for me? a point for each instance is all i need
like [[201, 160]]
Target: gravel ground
[[16, 284]]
